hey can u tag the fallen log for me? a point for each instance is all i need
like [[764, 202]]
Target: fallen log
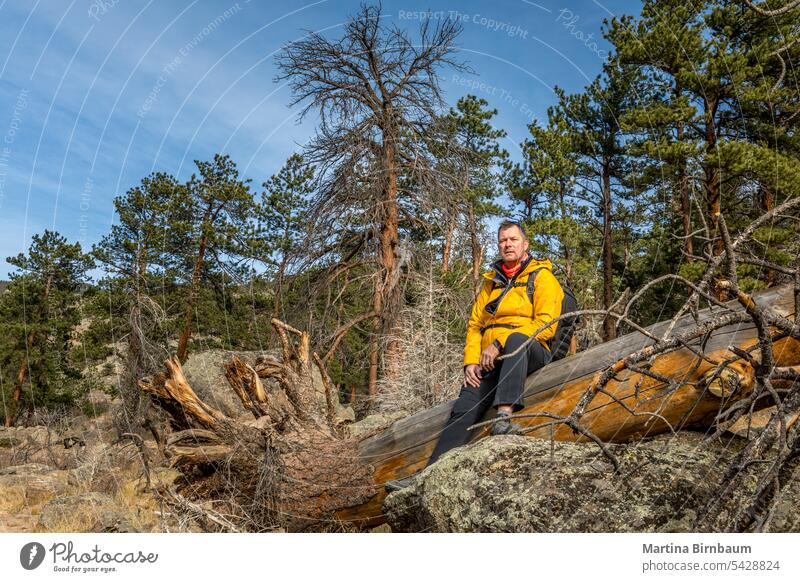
[[292, 465], [625, 413]]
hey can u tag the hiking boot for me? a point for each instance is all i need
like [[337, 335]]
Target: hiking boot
[[398, 484], [504, 426]]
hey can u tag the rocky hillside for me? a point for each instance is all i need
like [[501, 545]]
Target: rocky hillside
[[76, 476]]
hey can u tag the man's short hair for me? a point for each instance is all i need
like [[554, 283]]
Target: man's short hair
[[508, 223]]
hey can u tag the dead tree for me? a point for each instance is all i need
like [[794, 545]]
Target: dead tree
[[288, 466], [377, 92]]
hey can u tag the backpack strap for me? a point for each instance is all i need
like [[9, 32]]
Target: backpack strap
[[492, 306], [530, 286]]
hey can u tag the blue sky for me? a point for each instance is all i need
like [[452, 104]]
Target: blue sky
[[96, 94]]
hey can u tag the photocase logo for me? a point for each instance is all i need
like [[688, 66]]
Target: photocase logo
[[31, 555]]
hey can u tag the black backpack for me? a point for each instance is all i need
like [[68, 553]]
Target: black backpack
[[559, 343]]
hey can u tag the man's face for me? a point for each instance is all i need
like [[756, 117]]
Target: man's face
[[512, 245]]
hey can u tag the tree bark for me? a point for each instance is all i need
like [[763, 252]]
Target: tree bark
[[276, 311], [448, 243], [476, 247], [385, 301], [767, 204], [712, 181], [712, 175], [609, 324], [683, 189], [24, 365], [183, 343], [565, 250]]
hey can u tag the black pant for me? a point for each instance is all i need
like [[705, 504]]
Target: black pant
[[502, 385]]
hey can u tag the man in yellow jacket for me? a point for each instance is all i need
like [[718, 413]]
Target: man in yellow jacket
[[503, 319]]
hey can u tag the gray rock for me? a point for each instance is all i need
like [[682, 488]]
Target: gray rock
[[26, 435], [112, 521], [205, 372], [511, 484], [30, 485], [10, 438]]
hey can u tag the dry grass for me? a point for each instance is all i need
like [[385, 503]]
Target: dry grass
[[130, 502], [13, 500]]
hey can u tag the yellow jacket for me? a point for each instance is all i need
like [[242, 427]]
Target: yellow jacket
[[515, 314]]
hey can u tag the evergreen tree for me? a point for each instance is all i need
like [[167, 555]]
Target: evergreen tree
[[136, 255], [39, 313], [283, 216], [717, 106], [215, 214], [544, 185], [471, 129], [603, 169], [137, 250]]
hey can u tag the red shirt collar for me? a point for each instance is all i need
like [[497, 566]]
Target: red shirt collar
[[511, 271]]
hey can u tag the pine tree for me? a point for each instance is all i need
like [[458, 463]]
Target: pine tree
[[39, 313], [137, 256], [471, 129], [136, 251], [603, 168], [717, 104], [215, 213], [283, 216], [544, 185]]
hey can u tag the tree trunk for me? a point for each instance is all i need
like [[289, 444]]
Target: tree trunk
[[183, 343], [767, 204], [23, 367], [374, 344], [565, 250], [386, 286], [448, 243], [712, 182], [476, 247], [276, 311], [712, 176], [609, 323], [683, 188]]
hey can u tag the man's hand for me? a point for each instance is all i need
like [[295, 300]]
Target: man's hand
[[488, 357], [472, 375]]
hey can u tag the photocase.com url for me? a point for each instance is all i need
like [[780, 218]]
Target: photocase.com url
[[726, 566]]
